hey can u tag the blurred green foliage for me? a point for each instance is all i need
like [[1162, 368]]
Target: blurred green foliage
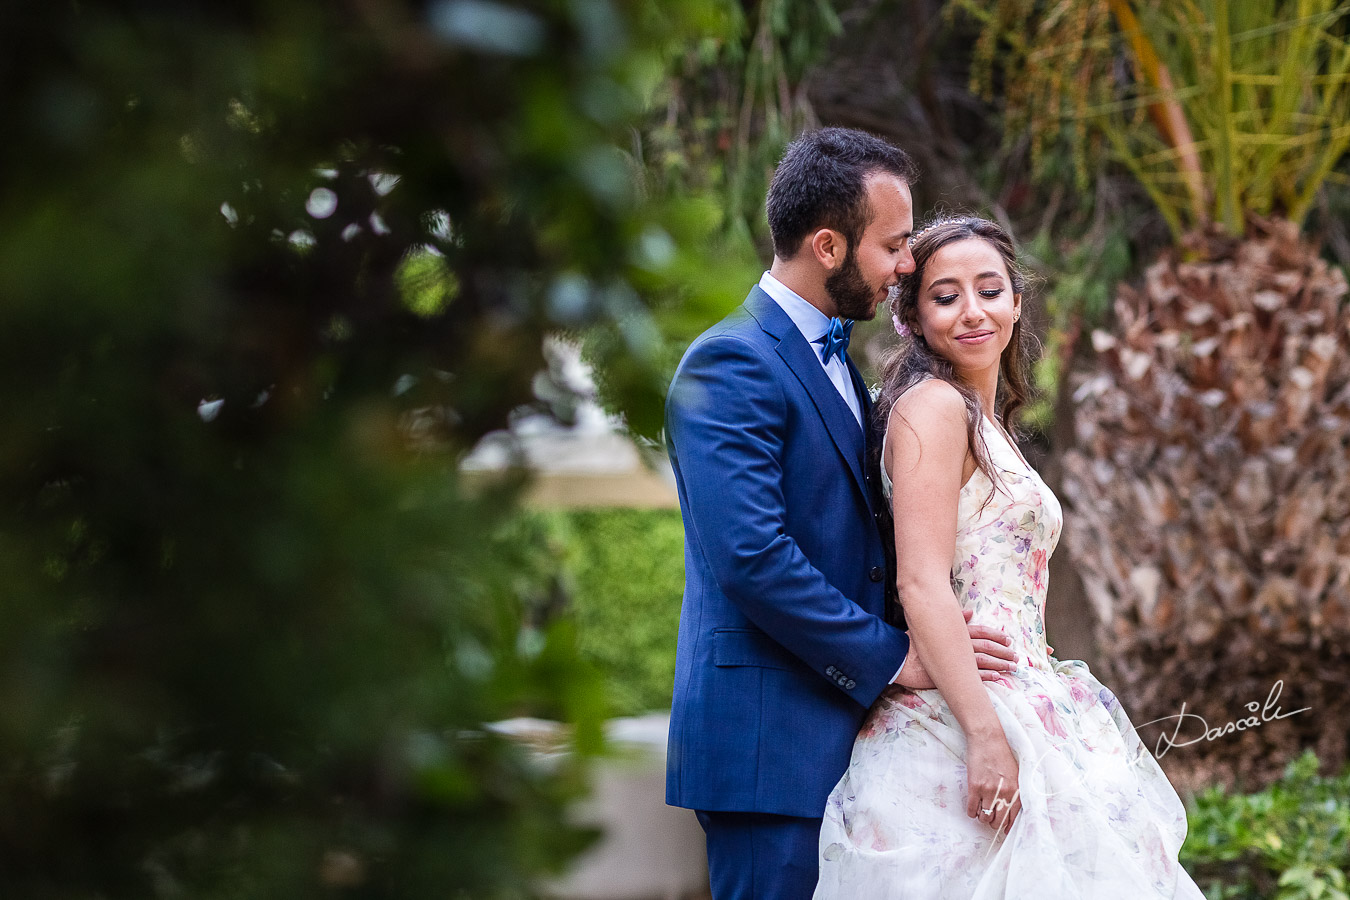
[[1290, 841], [718, 121], [1218, 109], [266, 270], [1086, 272], [732, 104], [624, 578]]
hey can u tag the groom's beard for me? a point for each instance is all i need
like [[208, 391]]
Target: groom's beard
[[852, 296]]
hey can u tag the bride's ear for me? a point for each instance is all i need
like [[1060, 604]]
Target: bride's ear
[[1017, 306]]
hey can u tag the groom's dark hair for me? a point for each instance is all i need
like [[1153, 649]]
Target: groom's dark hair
[[819, 184]]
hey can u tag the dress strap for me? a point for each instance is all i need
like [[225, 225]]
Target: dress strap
[[1007, 439], [885, 476]]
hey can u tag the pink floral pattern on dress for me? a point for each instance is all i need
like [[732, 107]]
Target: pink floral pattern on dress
[[1099, 820]]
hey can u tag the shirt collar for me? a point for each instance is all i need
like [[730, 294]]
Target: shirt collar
[[811, 322]]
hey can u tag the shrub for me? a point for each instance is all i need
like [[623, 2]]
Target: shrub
[[623, 573], [1290, 841]]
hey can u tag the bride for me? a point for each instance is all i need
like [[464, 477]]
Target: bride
[[1034, 784]]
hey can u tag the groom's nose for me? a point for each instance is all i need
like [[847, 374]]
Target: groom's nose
[[904, 263]]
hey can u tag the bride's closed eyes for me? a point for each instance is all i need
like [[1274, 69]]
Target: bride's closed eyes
[[988, 293]]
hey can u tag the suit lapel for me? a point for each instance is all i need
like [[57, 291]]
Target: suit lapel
[[801, 359], [863, 394], [871, 459]]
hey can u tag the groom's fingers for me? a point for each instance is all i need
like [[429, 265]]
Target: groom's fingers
[[993, 664], [1000, 657], [987, 633], [992, 650]]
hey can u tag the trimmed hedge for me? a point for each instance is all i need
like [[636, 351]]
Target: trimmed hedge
[[623, 575]]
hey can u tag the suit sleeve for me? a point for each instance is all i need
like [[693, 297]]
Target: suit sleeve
[[726, 421]]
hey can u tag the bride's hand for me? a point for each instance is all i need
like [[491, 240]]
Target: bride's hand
[[991, 776]]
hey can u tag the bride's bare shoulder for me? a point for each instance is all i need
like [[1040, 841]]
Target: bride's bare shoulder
[[932, 405]]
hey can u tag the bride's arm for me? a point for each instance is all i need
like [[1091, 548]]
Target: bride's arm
[[928, 459]]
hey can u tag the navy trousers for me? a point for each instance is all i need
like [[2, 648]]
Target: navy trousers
[[761, 856]]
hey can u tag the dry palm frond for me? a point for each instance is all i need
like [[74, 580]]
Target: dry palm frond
[[1209, 494]]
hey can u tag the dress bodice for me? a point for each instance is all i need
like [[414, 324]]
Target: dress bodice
[[1007, 528]]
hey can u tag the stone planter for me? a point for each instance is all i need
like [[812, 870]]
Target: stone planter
[[649, 851]]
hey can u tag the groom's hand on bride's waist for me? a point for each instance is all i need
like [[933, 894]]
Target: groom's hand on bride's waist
[[993, 654]]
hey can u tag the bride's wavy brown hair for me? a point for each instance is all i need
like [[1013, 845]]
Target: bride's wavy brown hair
[[913, 360]]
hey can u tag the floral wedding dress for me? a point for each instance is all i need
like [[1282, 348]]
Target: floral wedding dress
[[1099, 819]]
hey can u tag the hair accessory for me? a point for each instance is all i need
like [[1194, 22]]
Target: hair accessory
[[900, 327], [939, 223]]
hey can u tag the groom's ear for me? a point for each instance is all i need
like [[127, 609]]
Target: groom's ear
[[829, 248]]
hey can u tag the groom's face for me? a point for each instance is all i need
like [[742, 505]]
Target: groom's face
[[873, 265]]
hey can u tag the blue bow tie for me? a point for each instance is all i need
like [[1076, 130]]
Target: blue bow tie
[[835, 340]]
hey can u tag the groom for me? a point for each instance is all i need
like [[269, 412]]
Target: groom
[[783, 643]]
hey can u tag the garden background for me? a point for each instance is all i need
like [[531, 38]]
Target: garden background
[[271, 269]]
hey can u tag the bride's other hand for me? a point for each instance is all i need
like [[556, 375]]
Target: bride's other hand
[[993, 655], [991, 776]]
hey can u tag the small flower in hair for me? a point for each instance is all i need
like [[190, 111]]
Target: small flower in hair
[[900, 327]]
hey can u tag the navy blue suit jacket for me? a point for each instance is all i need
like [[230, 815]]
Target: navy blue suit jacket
[[782, 643]]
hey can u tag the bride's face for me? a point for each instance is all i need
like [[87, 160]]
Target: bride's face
[[966, 305]]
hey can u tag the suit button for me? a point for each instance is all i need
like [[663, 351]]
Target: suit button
[[831, 671], [875, 574], [850, 684]]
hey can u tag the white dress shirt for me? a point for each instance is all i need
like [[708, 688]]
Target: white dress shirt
[[814, 324]]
